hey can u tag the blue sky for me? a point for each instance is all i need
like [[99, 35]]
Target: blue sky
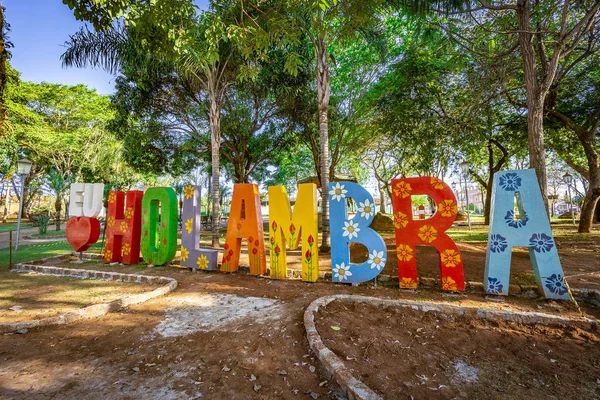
[[39, 29]]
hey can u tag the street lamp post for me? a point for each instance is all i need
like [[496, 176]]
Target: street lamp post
[[568, 179], [23, 170], [464, 167]]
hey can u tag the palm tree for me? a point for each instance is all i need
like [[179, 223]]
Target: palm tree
[[202, 65], [59, 184]]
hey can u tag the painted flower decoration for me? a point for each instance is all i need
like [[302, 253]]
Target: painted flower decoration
[[277, 250], [129, 213], [107, 256], [308, 255], [448, 284], [437, 183], [351, 230], [555, 283], [310, 240], [112, 197], [123, 226], [408, 283], [403, 189], [427, 233], [292, 229], [404, 252], [366, 209], [226, 247], [510, 220], [184, 254], [450, 258], [254, 251], [342, 272], [376, 260], [498, 243], [126, 249], [274, 225], [400, 220], [494, 286], [188, 226], [110, 221], [202, 261], [338, 192], [448, 208], [188, 192], [541, 242], [256, 243], [510, 181]]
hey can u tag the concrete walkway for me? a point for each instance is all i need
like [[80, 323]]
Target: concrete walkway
[[25, 234]]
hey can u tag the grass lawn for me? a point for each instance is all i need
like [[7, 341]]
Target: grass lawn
[[37, 251], [13, 227]]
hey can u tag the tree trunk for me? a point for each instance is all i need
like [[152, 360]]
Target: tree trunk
[[593, 192], [587, 210], [215, 139], [382, 200], [323, 91], [535, 99], [57, 208], [6, 201], [488, 201]]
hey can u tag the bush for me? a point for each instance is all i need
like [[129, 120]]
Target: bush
[[41, 221]]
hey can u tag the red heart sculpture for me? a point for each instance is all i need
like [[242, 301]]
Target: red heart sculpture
[[82, 232]]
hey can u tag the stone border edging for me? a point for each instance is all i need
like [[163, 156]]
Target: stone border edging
[[355, 389], [95, 310]]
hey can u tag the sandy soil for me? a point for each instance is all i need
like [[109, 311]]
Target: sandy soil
[[404, 353]]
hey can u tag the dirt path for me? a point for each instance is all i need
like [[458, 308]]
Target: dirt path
[[218, 336]]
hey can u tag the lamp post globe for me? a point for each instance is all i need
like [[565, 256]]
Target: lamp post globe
[[24, 167], [567, 178], [464, 167]]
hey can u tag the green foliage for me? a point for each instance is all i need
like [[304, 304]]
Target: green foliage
[[41, 222]]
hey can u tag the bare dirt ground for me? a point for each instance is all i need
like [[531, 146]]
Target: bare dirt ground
[[404, 353], [218, 336], [32, 296]]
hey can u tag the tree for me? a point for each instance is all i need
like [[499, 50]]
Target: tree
[[5, 44], [546, 34], [574, 119], [59, 185]]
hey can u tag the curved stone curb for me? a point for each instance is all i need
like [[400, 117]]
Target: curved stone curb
[[95, 310], [355, 389]]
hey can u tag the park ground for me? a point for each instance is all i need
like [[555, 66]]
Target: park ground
[[237, 336]]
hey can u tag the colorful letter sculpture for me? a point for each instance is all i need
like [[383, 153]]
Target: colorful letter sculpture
[[123, 227], [82, 232], [86, 199], [159, 225], [191, 256], [85, 204], [345, 231], [288, 227], [531, 229], [410, 233], [245, 222]]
